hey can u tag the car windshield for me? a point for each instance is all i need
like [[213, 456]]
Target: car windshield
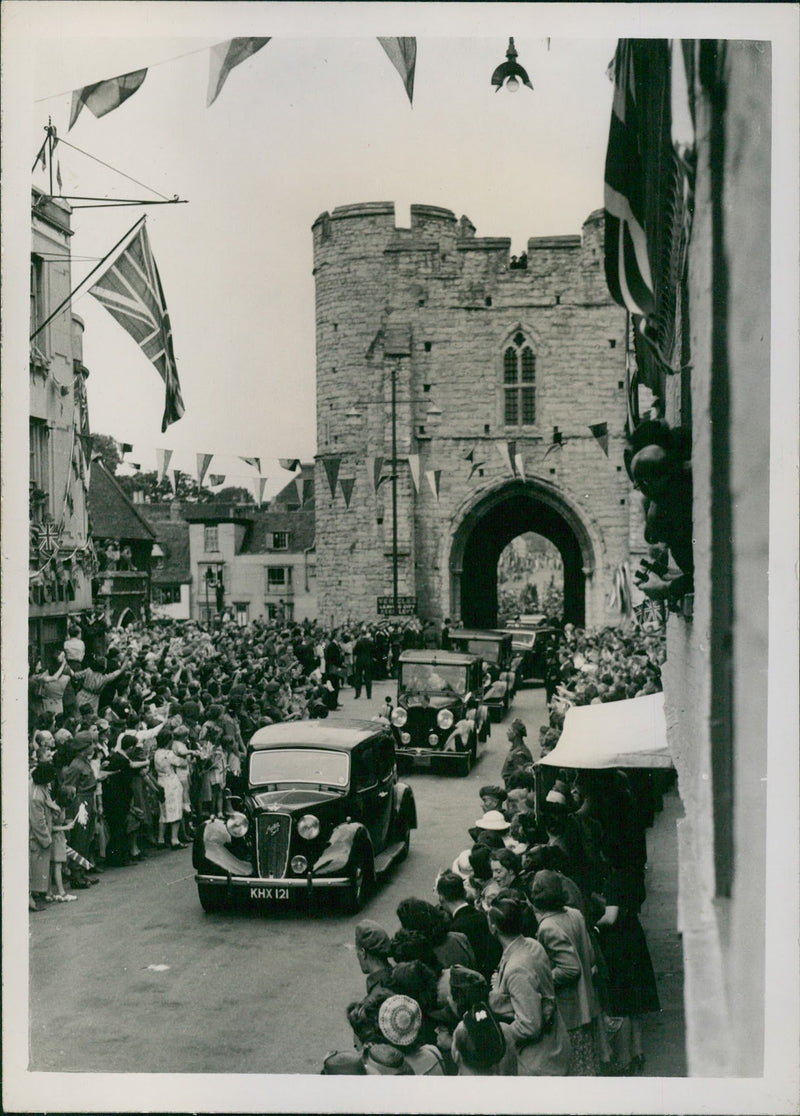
[[489, 650], [437, 678], [299, 765]]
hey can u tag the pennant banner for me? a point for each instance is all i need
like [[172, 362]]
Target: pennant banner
[[104, 96], [627, 261], [203, 462], [130, 289], [300, 483], [375, 468], [413, 464], [386, 477], [434, 480], [347, 485], [216, 479], [332, 469], [402, 53], [224, 57], [519, 464], [476, 465], [289, 463], [173, 480], [505, 456], [259, 484], [254, 461], [600, 431], [162, 461]]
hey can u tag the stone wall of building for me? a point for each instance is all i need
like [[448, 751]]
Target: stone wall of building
[[434, 307]]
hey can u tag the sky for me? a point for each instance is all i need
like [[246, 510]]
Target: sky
[[312, 121]]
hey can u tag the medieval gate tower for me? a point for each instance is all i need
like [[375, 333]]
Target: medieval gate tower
[[498, 372]]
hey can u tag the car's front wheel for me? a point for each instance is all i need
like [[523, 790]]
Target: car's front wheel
[[211, 898], [355, 894]]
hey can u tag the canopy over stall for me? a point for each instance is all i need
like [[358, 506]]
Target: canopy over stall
[[629, 733]]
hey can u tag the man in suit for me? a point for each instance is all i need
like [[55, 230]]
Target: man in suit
[[469, 921]]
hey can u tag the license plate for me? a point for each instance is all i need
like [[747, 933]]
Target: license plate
[[273, 893], [422, 761]]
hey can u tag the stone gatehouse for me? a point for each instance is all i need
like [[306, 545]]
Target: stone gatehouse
[[499, 367]]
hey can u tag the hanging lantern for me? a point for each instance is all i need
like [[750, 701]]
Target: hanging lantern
[[510, 72]]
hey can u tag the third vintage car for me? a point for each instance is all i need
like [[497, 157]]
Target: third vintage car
[[494, 647], [322, 815], [441, 719]]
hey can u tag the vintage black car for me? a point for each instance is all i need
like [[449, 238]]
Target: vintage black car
[[494, 647], [322, 814], [529, 645], [440, 718]]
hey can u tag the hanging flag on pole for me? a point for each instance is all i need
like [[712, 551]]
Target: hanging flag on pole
[[402, 53], [162, 460], [254, 461], [434, 477], [104, 96], [289, 463], [347, 485], [413, 464], [332, 470], [131, 291], [224, 57], [600, 431], [203, 462], [627, 262]]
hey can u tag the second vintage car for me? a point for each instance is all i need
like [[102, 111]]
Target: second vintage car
[[322, 814], [494, 647], [440, 719]]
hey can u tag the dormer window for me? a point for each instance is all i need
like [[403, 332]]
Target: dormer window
[[280, 540]]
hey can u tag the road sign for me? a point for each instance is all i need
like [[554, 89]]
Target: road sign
[[404, 606]]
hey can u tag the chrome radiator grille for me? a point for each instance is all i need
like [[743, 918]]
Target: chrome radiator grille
[[272, 844]]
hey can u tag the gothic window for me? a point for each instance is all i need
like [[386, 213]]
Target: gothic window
[[519, 382]]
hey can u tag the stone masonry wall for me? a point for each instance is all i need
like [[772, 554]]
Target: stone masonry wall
[[438, 305]]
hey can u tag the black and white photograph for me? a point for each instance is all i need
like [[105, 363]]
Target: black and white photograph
[[400, 619]]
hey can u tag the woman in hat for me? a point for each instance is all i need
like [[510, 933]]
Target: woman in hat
[[400, 1020], [449, 947], [562, 931], [490, 829], [523, 995], [41, 810], [165, 763], [482, 1044]]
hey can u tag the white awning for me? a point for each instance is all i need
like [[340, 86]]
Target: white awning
[[629, 733]]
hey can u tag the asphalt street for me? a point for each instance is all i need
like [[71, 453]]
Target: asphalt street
[[134, 977]]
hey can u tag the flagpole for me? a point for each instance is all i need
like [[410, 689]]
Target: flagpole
[[85, 280]]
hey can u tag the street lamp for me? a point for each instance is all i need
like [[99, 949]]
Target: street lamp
[[510, 71], [434, 417]]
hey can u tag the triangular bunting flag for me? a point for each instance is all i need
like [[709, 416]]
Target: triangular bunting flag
[[104, 96], [505, 456], [299, 483], [173, 480], [135, 465], [476, 465], [203, 462], [131, 291], [254, 461], [216, 479], [434, 480], [259, 484], [519, 464], [375, 468], [403, 55], [470, 456], [600, 431], [126, 447], [332, 469], [289, 463], [347, 485], [413, 464], [386, 477], [162, 461], [223, 58]]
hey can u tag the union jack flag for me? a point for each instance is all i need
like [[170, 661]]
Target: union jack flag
[[130, 289], [47, 538]]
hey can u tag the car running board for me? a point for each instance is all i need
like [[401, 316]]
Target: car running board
[[385, 859]]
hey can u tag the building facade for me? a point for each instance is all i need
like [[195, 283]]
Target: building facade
[[61, 559], [464, 397], [123, 542], [255, 563]]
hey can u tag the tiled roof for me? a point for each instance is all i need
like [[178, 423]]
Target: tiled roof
[[300, 526], [112, 514], [173, 538]]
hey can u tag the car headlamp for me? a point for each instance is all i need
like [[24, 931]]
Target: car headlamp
[[405, 737], [308, 827], [237, 824], [299, 864], [399, 716], [444, 718]]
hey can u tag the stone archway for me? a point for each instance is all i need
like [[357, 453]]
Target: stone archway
[[490, 522]]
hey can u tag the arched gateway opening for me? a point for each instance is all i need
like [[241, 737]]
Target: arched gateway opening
[[486, 528]]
